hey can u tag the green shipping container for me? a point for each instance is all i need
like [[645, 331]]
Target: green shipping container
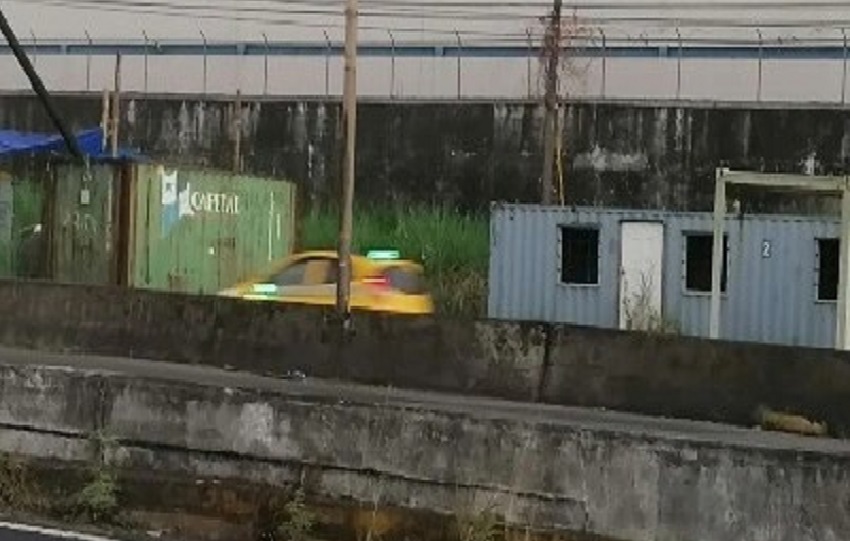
[[177, 230], [199, 232]]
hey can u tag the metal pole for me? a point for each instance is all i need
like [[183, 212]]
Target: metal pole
[[717, 255], [528, 61], [761, 63], [38, 85], [204, 38], [844, 76], [679, 68], [34, 48], [104, 120], [553, 48], [116, 106], [145, 34], [842, 336], [604, 61], [327, 64], [349, 109], [88, 62], [459, 67], [266, 66], [392, 64], [237, 133]]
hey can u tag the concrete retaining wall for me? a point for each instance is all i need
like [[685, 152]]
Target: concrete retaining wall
[[445, 456], [674, 377], [624, 154]]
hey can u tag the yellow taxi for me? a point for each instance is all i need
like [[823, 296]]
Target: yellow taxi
[[381, 282]]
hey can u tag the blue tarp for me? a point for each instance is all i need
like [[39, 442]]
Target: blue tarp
[[14, 143]]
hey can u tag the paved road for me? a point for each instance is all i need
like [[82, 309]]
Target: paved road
[[590, 419], [21, 532]]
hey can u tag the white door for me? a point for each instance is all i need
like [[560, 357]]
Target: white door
[[641, 258]]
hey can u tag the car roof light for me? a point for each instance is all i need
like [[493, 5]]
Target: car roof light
[[383, 255]]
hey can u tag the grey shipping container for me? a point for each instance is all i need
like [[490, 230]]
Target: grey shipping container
[[577, 265]]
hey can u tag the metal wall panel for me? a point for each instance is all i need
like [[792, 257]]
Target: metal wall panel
[[83, 247], [199, 232], [771, 297]]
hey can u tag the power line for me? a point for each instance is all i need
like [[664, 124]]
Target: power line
[[292, 13], [713, 6], [289, 22]]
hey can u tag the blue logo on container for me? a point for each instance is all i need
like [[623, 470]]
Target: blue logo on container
[[175, 201]]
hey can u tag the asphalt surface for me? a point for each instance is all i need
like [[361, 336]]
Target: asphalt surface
[[347, 393]]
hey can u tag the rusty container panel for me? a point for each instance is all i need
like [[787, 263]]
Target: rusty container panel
[[202, 231], [82, 244]]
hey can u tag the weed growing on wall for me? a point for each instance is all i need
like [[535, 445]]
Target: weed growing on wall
[[297, 521], [480, 526], [98, 499], [18, 490], [454, 248]]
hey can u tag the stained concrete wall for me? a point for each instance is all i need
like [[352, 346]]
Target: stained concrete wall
[[634, 372], [443, 456], [627, 154]]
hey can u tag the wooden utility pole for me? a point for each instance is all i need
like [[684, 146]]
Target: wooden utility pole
[[552, 46], [116, 107], [349, 110]]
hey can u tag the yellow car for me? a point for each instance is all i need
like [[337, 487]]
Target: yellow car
[[381, 282]]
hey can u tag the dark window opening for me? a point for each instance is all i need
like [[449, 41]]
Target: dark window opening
[[828, 250], [698, 260], [579, 256]]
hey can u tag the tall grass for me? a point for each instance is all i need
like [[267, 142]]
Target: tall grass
[[454, 248]]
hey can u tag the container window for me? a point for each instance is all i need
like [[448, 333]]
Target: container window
[[698, 260], [579, 255], [828, 250]]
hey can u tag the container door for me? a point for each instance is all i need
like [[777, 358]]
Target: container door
[[642, 255], [82, 226]]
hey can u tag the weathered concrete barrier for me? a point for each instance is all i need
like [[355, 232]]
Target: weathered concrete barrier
[[694, 378], [652, 374], [502, 360], [549, 469]]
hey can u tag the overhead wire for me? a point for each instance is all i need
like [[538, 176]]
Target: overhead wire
[[292, 13]]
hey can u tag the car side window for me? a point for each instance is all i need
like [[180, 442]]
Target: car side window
[[332, 274], [320, 271], [291, 276]]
